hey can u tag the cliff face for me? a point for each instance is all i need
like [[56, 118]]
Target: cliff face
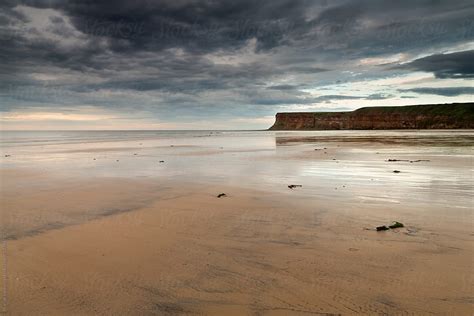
[[437, 116]]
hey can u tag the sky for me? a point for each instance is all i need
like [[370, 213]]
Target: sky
[[182, 64]]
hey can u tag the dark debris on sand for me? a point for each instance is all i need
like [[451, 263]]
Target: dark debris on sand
[[407, 160], [292, 186], [393, 226]]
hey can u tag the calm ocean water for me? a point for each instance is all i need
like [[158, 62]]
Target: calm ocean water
[[15, 138], [31, 138]]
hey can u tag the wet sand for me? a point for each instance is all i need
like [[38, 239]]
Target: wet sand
[[90, 243]]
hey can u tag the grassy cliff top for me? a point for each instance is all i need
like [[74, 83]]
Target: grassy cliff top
[[456, 110], [459, 110]]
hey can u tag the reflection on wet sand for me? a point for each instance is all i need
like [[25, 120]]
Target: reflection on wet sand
[[408, 139]]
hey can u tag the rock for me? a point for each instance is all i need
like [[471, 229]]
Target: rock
[[292, 186], [161, 161], [381, 228], [393, 160], [7, 155], [222, 195], [396, 225], [396, 171]]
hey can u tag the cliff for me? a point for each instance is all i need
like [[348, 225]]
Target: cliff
[[429, 116]]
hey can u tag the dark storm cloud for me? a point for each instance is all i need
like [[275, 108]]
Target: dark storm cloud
[[447, 91], [205, 26], [183, 56], [197, 25], [455, 65]]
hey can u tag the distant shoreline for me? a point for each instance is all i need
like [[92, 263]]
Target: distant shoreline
[[427, 116]]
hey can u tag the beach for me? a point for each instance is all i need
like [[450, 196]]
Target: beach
[[121, 222]]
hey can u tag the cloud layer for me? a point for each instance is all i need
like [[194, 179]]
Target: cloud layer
[[181, 62]]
